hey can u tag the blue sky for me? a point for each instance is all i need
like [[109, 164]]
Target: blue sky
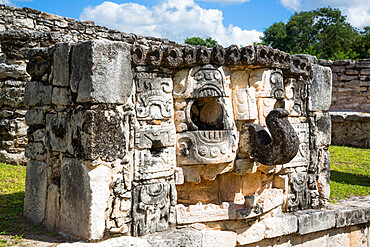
[[228, 21]]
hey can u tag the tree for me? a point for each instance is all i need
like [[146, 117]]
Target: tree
[[207, 42], [323, 32]]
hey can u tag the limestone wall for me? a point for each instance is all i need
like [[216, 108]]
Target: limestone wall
[[351, 85], [21, 30]]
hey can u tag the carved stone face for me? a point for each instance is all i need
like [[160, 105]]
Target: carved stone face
[[204, 118]]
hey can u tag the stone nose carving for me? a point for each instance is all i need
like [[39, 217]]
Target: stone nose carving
[[279, 148]]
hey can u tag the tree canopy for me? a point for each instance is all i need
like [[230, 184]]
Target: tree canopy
[[207, 42], [324, 33]]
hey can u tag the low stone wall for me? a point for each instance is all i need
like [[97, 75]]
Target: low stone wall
[[343, 224], [351, 84], [350, 129]]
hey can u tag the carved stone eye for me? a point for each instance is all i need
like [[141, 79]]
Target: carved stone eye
[[215, 152], [199, 76], [217, 76], [209, 75]]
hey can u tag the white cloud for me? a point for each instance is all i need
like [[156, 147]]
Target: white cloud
[[172, 19], [225, 1], [357, 11], [7, 2]]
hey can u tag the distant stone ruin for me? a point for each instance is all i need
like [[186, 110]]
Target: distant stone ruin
[[175, 144]]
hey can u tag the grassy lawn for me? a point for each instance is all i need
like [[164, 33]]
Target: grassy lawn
[[349, 172], [350, 176]]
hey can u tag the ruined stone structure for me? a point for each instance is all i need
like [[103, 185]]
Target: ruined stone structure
[[21, 31], [178, 145], [350, 109]]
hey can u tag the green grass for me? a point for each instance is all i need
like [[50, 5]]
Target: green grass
[[12, 180], [349, 172]]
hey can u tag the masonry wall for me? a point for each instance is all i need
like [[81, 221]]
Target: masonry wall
[[351, 85], [21, 30]]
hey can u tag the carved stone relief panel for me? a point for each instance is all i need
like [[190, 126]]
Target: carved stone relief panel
[[268, 83], [154, 163], [296, 96], [153, 208], [303, 155], [298, 195], [204, 116], [155, 136], [244, 104], [154, 98]]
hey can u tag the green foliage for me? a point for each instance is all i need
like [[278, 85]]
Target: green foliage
[[207, 42], [349, 172], [324, 33]]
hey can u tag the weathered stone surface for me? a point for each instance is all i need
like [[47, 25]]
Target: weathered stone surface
[[36, 188], [280, 225], [61, 96], [319, 89], [56, 131], [13, 158], [35, 117], [37, 94], [175, 238], [113, 242], [101, 72], [82, 191], [352, 216], [218, 238], [315, 220], [61, 64], [90, 142], [36, 151], [12, 97], [252, 234], [278, 149], [52, 216]]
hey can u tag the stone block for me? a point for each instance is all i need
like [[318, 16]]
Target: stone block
[[100, 134], [52, 207], [37, 94], [35, 117], [365, 72], [56, 132], [315, 220], [319, 89], [101, 72], [13, 97], [280, 225], [61, 64], [230, 187], [338, 237], [36, 151], [218, 238], [154, 164], [155, 136], [176, 238], [252, 234], [315, 239], [351, 216], [61, 96], [113, 242], [37, 136], [84, 194], [36, 188]]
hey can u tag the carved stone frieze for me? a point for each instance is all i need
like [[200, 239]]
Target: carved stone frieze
[[298, 194], [206, 147], [154, 98], [155, 136], [268, 83], [152, 208], [303, 155], [244, 104], [154, 163]]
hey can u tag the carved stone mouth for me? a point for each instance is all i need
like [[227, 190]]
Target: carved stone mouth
[[208, 91], [213, 135]]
